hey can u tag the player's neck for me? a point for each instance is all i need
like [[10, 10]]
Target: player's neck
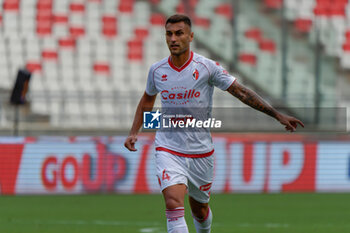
[[180, 60]]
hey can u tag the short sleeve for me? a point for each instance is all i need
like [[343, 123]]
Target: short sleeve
[[150, 86], [219, 76]]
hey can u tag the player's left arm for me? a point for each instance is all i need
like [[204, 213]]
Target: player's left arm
[[253, 100]]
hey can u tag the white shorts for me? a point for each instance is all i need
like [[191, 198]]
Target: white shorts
[[195, 173]]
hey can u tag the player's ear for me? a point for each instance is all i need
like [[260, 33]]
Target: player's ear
[[191, 36]]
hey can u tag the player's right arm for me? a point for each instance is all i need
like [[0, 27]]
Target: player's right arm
[[146, 104]]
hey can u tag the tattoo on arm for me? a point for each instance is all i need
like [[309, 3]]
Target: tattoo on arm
[[252, 99]]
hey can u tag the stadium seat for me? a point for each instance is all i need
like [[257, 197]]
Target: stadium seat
[[273, 4], [33, 66], [109, 28], [248, 59], [67, 43], [303, 25], [225, 10], [157, 19], [135, 50], [267, 45], [102, 68], [126, 6], [77, 7], [11, 5]]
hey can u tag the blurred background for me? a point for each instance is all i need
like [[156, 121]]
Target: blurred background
[[89, 60]]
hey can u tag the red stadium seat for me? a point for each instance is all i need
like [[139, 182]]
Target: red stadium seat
[[109, 32], [273, 4], [77, 7], [303, 25], [141, 33], [49, 54], [321, 10], [60, 18], [337, 10], [267, 45], [155, 2], [44, 28], [202, 22], [33, 66], [347, 35], [346, 47], [44, 16], [44, 5], [180, 8], [157, 19], [254, 33], [225, 10], [248, 58], [76, 31], [109, 19], [11, 5], [68, 43], [109, 28], [126, 6], [102, 67], [193, 3], [135, 50]]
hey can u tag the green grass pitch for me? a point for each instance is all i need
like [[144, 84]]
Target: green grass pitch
[[241, 213]]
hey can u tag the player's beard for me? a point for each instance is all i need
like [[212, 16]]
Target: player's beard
[[178, 52]]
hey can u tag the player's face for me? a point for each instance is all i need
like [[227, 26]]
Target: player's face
[[178, 37]]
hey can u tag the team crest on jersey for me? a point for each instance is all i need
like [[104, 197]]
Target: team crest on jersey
[[195, 74]]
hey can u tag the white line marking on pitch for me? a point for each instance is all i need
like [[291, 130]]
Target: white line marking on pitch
[[146, 230], [268, 225], [85, 222]]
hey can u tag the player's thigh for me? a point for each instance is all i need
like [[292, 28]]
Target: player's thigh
[[201, 178], [174, 196]]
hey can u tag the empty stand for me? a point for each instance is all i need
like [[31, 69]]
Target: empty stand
[[90, 58]]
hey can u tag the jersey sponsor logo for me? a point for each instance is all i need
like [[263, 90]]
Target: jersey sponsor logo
[[195, 74], [188, 94]]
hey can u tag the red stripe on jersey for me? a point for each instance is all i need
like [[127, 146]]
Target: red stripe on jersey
[[185, 155], [178, 69]]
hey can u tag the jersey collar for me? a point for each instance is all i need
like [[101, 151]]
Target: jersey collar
[[179, 69]]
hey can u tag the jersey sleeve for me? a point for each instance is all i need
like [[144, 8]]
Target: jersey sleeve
[[219, 76], [150, 86]]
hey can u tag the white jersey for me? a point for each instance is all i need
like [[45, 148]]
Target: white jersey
[[188, 87]]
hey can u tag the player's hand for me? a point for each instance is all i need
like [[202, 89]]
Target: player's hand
[[289, 122], [130, 143]]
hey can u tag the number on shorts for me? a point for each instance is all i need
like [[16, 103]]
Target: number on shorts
[[165, 176]]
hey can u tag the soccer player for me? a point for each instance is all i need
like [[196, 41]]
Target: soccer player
[[184, 160]]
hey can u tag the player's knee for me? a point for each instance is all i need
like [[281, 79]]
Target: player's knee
[[199, 210], [172, 203], [200, 213]]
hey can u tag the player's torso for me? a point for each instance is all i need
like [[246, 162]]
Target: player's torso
[[186, 86]]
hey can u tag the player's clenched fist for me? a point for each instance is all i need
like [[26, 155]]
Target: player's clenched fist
[[130, 143]]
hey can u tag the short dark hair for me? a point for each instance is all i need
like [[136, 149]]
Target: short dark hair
[[179, 18]]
